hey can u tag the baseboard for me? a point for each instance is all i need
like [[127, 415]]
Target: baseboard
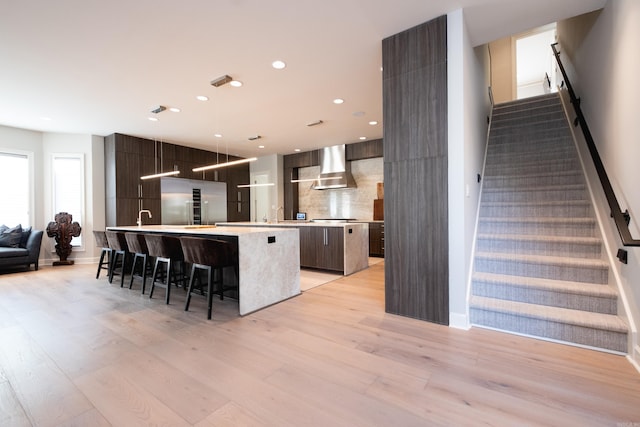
[[634, 358], [459, 321]]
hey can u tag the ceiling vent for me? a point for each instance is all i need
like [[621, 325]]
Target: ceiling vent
[[316, 123], [221, 81], [253, 138], [158, 109]]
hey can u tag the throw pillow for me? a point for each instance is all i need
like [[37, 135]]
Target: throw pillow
[[26, 232], [10, 237]]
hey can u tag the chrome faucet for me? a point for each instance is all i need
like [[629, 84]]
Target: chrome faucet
[[278, 210], [140, 216]]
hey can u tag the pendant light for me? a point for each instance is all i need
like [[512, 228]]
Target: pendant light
[[161, 174]]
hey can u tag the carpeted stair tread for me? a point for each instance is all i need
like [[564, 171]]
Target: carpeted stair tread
[[546, 260], [606, 322], [564, 286], [539, 220], [584, 240], [539, 204], [549, 187]]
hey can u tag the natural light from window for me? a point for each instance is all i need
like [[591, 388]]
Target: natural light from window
[[68, 179], [15, 189]]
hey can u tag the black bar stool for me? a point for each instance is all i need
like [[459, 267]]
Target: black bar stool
[[138, 246], [167, 251], [118, 245], [101, 242], [210, 255]]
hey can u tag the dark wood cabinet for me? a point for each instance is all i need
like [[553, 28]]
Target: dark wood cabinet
[[376, 239], [416, 172], [127, 158], [322, 247]]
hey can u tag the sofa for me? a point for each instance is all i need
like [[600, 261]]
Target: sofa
[[19, 246]]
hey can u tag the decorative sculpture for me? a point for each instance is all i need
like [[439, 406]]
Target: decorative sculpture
[[63, 230]]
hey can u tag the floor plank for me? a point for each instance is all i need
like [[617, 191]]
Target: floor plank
[[76, 351]]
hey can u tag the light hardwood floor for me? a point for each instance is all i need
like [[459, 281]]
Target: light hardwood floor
[[76, 351]]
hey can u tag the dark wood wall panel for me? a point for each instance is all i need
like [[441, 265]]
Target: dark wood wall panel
[[415, 172], [416, 239]]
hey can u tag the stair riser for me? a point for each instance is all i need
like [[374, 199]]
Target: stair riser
[[521, 118], [532, 132], [528, 114], [508, 167], [537, 228], [591, 303], [566, 211], [548, 195], [510, 148], [523, 182], [546, 248], [543, 271], [609, 340], [527, 106]]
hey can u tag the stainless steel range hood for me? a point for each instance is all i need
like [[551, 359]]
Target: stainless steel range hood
[[335, 172]]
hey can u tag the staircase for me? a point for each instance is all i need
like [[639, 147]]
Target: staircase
[[539, 267]]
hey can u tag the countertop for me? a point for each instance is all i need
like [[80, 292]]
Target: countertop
[[288, 224]]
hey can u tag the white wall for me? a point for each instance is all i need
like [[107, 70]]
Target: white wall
[[43, 145], [468, 104], [603, 49]]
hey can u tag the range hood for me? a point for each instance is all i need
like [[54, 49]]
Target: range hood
[[335, 172]]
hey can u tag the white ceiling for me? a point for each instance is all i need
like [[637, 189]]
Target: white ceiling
[[99, 67]]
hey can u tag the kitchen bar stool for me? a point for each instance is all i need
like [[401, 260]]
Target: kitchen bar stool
[[118, 245], [138, 246], [101, 242], [211, 256], [167, 251]]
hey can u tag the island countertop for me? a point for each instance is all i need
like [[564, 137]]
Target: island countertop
[[268, 259]]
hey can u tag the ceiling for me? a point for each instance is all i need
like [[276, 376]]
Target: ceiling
[[99, 67]]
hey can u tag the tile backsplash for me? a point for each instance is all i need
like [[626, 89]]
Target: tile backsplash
[[356, 203]]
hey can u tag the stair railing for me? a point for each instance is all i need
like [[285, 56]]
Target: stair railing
[[620, 218]]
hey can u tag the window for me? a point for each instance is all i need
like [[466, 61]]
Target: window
[[68, 188], [16, 186]]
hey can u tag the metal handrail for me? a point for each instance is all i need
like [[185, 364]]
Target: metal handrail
[[620, 218]]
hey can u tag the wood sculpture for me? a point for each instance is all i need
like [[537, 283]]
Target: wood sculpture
[[63, 230]]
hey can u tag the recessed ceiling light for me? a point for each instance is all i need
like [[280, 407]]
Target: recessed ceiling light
[[338, 101], [235, 83], [260, 146], [174, 109], [297, 150], [217, 135], [373, 123], [278, 65], [202, 98], [153, 119], [362, 138]]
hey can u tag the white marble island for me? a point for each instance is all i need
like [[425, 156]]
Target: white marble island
[[337, 246], [268, 259]]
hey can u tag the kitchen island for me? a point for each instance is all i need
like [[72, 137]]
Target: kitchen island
[[268, 259], [336, 246]]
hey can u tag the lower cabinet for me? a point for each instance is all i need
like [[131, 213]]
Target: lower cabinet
[[376, 239], [322, 247]]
